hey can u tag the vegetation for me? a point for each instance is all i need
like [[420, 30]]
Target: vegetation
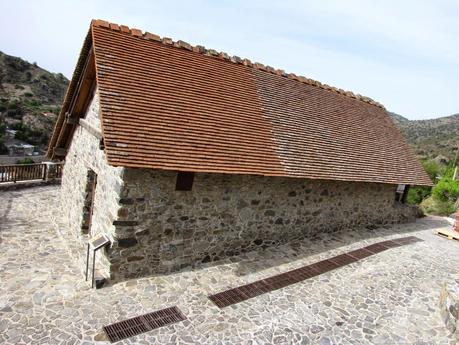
[[3, 149], [431, 138], [446, 190], [37, 137], [443, 197], [30, 99], [25, 160]]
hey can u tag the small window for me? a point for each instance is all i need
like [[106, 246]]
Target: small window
[[401, 193], [184, 181]]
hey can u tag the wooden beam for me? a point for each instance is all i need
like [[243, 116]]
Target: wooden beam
[[90, 129], [84, 90], [85, 86]]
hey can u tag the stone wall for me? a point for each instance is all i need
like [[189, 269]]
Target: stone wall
[[161, 230], [84, 153], [449, 308], [156, 229]]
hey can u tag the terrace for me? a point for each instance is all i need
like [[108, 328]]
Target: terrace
[[387, 298]]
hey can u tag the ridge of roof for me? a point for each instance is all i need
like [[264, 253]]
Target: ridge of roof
[[233, 59]]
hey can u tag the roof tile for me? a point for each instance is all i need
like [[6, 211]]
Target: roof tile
[[172, 106]]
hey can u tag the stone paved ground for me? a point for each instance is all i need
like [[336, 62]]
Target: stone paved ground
[[389, 298]]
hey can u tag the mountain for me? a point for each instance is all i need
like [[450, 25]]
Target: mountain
[[431, 138], [30, 99]]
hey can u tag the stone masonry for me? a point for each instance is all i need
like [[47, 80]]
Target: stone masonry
[[85, 155], [163, 230], [156, 229], [449, 308]]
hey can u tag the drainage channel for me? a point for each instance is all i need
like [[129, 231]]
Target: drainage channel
[[143, 323], [147, 322], [257, 288]]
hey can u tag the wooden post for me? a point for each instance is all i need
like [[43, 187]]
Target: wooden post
[[45, 171]]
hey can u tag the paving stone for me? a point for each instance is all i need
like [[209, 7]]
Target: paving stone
[[388, 298]]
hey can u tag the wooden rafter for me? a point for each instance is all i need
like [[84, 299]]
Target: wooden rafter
[[78, 105]]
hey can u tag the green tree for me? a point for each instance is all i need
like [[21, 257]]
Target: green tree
[[417, 194], [446, 190]]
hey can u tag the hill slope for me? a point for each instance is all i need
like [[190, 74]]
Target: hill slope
[[30, 99], [431, 138]]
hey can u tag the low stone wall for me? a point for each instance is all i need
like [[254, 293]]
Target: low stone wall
[[449, 308], [160, 230]]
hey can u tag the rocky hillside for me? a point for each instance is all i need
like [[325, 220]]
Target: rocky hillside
[[30, 99], [431, 138]]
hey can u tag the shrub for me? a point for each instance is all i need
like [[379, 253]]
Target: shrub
[[436, 207], [25, 160], [433, 169], [417, 194], [32, 136], [32, 103], [446, 190]]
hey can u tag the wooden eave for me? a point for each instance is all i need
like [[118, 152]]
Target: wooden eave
[[76, 102]]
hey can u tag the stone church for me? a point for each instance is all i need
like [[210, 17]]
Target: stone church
[[183, 155]]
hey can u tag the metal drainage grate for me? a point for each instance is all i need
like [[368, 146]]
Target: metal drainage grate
[[245, 292], [360, 254], [343, 259], [376, 248], [143, 323]]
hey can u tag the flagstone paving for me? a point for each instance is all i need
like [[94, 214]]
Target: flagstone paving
[[388, 298]]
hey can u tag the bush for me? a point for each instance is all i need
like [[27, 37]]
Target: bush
[[436, 207], [25, 160], [32, 103], [417, 194], [433, 169], [446, 190], [27, 134]]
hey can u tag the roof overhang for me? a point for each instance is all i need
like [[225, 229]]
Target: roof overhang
[[76, 101]]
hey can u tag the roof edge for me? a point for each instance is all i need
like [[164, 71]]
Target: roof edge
[[69, 95], [226, 57]]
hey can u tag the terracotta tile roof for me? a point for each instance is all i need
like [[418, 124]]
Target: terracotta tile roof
[[169, 105]]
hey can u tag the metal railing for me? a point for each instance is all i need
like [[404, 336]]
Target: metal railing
[[29, 172]]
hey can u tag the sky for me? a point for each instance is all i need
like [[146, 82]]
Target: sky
[[403, 54]]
